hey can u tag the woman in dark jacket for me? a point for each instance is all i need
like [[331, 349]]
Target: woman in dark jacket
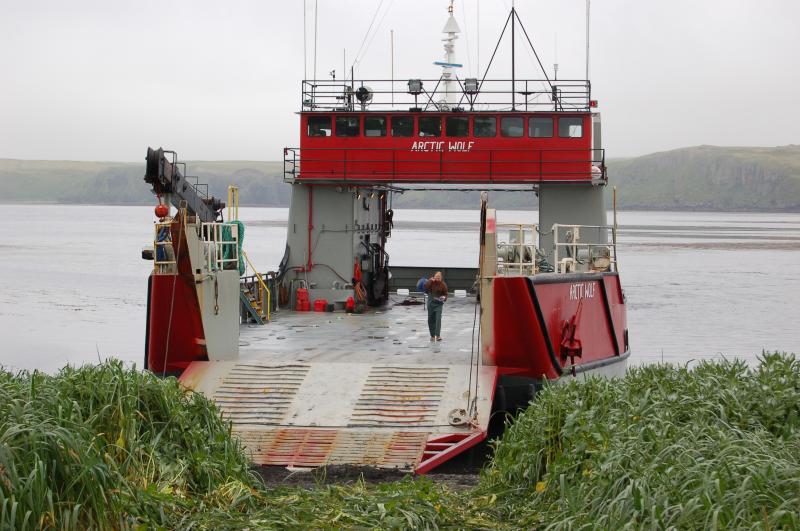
[[437, 294]]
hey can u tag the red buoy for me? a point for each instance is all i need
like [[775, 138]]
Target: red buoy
[[162, 211]]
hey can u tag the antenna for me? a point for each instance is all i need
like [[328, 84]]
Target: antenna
[[588, 2], [555, 64], [391, 53], [452, 30], [478, 24], [305, 41], [316, 2]]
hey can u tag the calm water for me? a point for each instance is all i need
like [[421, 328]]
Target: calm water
[[699, 285]]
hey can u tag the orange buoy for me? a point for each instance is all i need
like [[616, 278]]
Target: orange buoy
[[162, 211]]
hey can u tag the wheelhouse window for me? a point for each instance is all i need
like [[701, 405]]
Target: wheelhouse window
[[485, 126], [430, 126], [374, 126], [457, 126], [348, 126], [402, 126], [540, 126], [319, 126], [570, 127], [512, 126]]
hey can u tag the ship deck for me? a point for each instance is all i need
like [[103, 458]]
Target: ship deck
[[395, 333], [312, 389]]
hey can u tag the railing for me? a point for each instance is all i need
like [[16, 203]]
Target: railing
[[221, 244], [501, 165], [517, 256], [164, 261], [433, 95], [264, 293], [584, 256]]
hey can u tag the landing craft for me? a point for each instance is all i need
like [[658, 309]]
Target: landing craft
[[315, 363]]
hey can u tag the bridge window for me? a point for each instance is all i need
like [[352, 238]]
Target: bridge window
[[570, 127], [457, 126], [430, 126], [540, 127], [485, 126], [512, 126], [402, 126], [319, 126], [348, 126], [374, 126]]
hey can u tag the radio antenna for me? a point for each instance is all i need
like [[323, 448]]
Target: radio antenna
[[588, 2], [316, 4], [305, 41]]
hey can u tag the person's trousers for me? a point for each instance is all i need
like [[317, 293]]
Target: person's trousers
[[435, 316]]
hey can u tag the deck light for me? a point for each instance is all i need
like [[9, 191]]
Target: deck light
[[471, 85], [415, 87]]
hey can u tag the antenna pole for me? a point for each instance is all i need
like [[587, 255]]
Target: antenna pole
[[588, 2], [315, 39], [513, 61], [478, 24], [391, 52], [305, 41]]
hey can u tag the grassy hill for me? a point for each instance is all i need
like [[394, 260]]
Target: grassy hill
[[711, 178], [702, 177]]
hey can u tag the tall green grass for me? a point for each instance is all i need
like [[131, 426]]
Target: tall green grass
[[715, 446], [105, 447]]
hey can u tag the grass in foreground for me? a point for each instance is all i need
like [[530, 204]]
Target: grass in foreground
[[714, 446]]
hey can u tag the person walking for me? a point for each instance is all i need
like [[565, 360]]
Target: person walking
[[437, 295]]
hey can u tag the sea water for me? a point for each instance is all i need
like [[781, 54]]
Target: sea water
[[699, 285]]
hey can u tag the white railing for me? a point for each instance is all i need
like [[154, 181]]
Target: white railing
[[517, 256], [221, 249], [163, 251], [571, 255]]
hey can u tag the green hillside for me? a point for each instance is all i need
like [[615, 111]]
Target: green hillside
[[710, 178], [702, 177]]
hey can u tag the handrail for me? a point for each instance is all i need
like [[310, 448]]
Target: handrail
[[263, 285], [501, 165], [573, 246], [492, 94], [523, 243]]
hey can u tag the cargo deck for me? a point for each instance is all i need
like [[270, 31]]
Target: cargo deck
[[314, 389]]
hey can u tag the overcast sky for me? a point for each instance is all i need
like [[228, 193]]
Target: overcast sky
[[102, 79]]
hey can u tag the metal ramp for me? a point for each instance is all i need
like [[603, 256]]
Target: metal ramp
[[314, 414]]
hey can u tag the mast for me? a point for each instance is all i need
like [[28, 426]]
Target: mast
[[452, 30], [513, 60]]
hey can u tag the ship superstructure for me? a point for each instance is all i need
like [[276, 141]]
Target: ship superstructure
[[358, 380]]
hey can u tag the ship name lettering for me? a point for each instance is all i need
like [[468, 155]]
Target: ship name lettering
[[459, 146], [582, 290]]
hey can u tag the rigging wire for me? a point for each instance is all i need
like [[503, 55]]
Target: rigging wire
[[364, 40], [466, 38], [377, 29]]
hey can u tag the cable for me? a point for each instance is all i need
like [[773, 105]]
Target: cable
[[377, 28], [364, 40]]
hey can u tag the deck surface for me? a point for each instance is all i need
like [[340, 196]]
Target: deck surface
[[392, 334], [311, 389]]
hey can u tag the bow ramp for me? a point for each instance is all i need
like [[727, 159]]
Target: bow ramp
[[410, 417]]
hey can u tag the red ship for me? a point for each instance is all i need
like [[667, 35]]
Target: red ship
[[358, 381]]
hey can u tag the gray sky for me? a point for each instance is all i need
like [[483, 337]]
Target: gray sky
[[102, 80]]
